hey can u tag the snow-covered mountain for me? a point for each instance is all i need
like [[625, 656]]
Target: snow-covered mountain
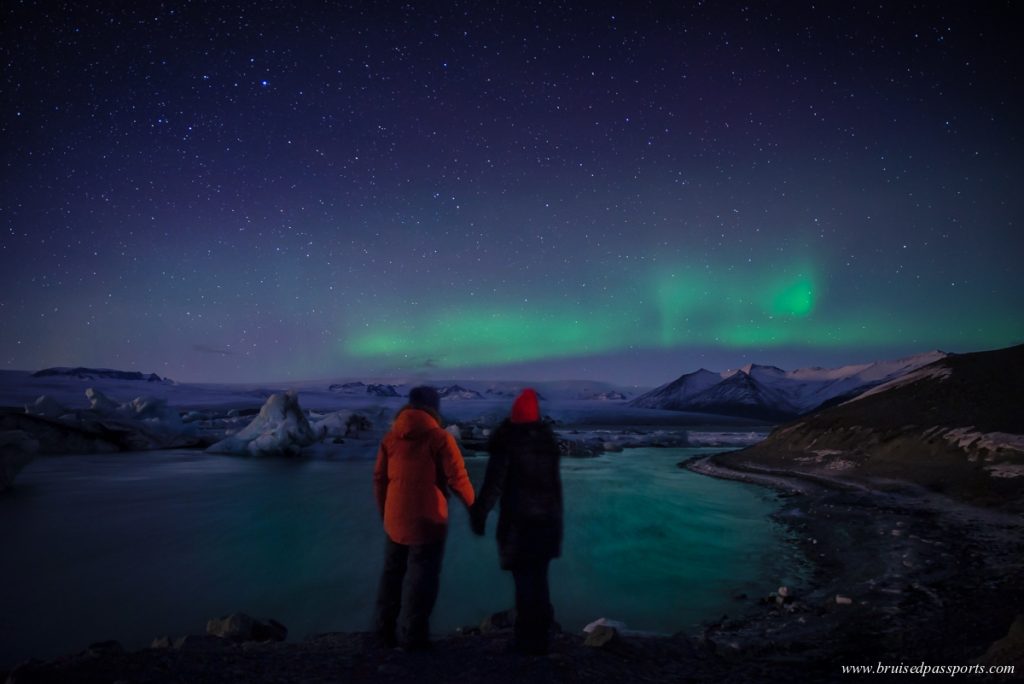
[[458, 392], [674, 395], [348, 388], [384, 390], [610, 395], [771, 393], [355, 389], [480, 389]]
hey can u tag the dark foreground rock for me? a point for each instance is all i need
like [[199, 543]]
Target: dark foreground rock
[[242, 627], [471, 659]]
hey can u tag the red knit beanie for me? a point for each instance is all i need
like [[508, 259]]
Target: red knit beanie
[[525, 408]]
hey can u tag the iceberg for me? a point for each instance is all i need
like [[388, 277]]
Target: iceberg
[[340, 424], [280, 429]]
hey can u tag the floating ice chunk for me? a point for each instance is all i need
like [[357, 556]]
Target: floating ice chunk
[[100, 402], [280, 429], [45, 406], [342, 423]]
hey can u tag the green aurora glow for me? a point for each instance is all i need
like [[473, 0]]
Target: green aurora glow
[[684, 308]]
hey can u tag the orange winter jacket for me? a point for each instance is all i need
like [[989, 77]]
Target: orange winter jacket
[[405, 479]]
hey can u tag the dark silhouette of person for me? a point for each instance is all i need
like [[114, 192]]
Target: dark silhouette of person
[[416, 462], [523, 473]]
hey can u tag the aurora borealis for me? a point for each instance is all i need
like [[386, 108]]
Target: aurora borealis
[[273, 191]]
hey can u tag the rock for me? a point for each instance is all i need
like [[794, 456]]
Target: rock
[[498, 621], [102, 648], [843, 600], [604, 622], [780, 597], [241, 627], [271, 630], [604, 636], [29, 671], [199, 642], [161, 642], [237, 626], [1009, 650]]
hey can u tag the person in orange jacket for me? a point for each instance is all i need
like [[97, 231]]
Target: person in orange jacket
[[416, 462]]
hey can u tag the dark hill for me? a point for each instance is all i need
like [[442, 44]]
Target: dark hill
[[955, 426], [94, 373]]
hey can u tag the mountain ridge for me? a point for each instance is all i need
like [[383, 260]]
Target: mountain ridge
[[954, 426], [771, 393]]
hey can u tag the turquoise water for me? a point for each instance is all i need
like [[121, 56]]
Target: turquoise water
[[132, 546]]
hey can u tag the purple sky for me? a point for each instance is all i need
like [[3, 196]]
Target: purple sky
[[258, 191]]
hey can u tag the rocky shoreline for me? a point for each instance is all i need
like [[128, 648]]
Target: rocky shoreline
[[899, 575]]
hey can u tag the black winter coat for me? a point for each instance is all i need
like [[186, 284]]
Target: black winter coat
[[523, 472]]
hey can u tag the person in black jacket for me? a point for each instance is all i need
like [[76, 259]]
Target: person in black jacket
[[523, 472]]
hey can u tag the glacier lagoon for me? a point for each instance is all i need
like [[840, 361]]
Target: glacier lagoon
[[131, 546]]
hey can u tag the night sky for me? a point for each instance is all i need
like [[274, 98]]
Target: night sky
[[274, 191]]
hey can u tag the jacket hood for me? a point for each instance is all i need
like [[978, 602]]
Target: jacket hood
[[413, 422]]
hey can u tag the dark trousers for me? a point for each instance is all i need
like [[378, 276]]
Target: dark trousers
[[534, 612], [410, 580]]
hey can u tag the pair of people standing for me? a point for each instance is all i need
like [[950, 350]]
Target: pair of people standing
[[416, 463]]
